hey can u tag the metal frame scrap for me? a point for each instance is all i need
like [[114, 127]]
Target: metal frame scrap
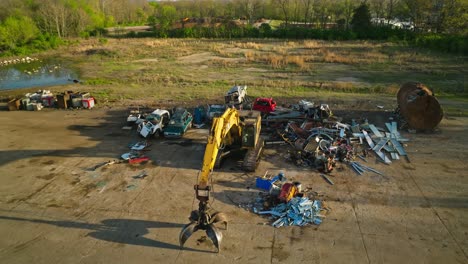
[[299, 211]]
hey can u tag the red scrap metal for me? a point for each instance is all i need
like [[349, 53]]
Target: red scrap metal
[[288, 191], [138, 160], [264, 105]]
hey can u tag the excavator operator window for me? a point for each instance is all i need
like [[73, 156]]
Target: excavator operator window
[[248, 136]]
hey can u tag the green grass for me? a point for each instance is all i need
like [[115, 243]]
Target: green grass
[[98, 81]]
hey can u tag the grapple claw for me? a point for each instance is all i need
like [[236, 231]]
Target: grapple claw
[[204, 218], [220, 218], [186, 232], [215, 235]]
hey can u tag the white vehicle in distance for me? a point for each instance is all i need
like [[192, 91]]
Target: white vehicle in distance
[[236, 95]]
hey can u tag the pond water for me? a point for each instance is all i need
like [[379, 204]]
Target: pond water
[[35, 74]]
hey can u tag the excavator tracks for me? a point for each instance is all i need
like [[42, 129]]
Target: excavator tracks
[[252, 157]]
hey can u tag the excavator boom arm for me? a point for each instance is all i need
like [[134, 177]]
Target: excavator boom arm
[[221, 134]]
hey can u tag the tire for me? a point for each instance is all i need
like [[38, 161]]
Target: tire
[[158, 134]]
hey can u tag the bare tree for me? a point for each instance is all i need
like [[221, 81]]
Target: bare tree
[[322, 11], [285, 8], [348, 10], [249, 8], [54, 16], [296, 7], [390, 6], [419, 12], [378, 7], [307, 6]]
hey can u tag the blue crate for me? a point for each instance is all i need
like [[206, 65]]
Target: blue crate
[[263, 184]]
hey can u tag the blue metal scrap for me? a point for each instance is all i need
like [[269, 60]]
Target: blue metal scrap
[[360, 169], [299, 211]]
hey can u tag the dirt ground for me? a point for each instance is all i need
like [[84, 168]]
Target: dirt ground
[[55, 209]]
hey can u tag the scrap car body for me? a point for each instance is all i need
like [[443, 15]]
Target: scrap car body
[[154, 123], [215, 110], [236, 95], [180, 122], [264, 105]]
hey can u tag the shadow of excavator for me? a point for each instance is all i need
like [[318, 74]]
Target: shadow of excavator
[[123, 231]]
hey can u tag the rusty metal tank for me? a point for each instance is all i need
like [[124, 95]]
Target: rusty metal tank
[[418, 106]]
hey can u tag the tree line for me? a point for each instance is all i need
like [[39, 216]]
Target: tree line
[[29, 25]]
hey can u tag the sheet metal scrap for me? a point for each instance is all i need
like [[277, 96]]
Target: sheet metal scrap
[[377, 151], [299, 211], [297, 130], [140, 145], [284, 114], [360, 169], [327, 179]]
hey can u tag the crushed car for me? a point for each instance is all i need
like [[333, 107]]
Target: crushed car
[[236, 95], [154, 123], [264, 105], [180, 122]]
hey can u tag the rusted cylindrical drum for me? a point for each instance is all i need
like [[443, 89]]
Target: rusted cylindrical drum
[[418, 106]]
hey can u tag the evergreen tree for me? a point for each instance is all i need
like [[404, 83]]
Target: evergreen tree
[[361, 20]]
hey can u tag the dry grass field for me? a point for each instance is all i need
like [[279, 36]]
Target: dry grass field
[[123, 71]]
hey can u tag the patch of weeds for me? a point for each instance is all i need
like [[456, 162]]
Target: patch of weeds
[[455, 111], [102, 94], [102, 52], [97, 81]]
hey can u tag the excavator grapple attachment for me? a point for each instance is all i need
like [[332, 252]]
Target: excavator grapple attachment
[[215, 235], [204, 221], [186, 232]]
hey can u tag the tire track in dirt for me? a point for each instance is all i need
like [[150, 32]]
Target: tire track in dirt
[[30, 196], [21, 246], [410, 175]]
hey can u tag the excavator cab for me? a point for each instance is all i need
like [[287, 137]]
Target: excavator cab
[[248, 137], [251, 121], [251, 140]]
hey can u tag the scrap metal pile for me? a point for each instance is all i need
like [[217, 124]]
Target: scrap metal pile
[[319, 140], [286, 203], [44, 98], [135, 155], [299, 211]]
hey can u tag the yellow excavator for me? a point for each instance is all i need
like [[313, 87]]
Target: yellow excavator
[[233, 130]]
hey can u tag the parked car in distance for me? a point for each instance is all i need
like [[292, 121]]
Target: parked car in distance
[[133, 116], [181, 121], [215, 110], [264, 105], [154, 123]]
